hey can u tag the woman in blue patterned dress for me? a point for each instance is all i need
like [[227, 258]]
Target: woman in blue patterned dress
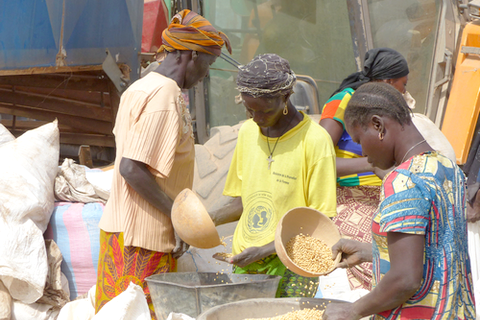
[[421, 267]]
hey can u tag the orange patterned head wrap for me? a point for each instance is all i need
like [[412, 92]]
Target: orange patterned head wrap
[[190, 31]]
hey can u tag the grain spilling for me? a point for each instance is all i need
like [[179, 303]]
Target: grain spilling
[[310, 254], [305, 314], [224, 255], [222, 242]]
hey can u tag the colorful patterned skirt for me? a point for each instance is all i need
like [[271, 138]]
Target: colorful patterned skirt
[[291, 284], [119, 265], [356, 207]]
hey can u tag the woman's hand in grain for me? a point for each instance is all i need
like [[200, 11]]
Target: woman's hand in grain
[[340, 311], [353, 252]]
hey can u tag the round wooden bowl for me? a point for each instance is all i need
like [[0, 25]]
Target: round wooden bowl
[[309, 222], [192, 222]]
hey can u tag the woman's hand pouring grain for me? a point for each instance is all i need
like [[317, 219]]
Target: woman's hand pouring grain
[[353, 252], [252, 254]]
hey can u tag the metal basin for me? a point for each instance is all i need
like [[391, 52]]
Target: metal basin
[[262, 308], [192, 293]]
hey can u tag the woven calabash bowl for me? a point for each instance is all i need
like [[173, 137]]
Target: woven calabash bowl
[[309, 222], [192, 222]]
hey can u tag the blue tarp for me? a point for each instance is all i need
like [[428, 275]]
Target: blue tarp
[[31, 33]]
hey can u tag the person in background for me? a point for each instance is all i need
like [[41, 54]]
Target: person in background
[[358, 188], [154, 161], [282, 160], [421, 265], [472, 171]]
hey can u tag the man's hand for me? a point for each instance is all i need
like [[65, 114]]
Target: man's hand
[[180, 247], [353, 252]]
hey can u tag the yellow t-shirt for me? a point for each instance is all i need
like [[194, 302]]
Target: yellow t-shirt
[[303, 174]]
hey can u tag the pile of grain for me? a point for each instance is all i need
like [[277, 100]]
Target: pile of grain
[[310, 254], [305, 314]]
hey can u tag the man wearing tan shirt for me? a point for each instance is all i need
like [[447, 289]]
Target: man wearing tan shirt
[[154, 161]]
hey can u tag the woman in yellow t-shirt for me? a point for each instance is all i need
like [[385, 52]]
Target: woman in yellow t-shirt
[[282, 160]]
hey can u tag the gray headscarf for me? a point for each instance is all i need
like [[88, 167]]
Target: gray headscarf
[[266, 75]]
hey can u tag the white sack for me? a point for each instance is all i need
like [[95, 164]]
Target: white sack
[[28, 166], [131, 304], [101, 181], [5, 303], [80, 309], [71, 184], [474, 253], [34, 311], [435, 138], [5, 135], [179, 316]]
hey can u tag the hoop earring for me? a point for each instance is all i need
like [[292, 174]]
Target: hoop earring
[[285, 110], [381, 135]]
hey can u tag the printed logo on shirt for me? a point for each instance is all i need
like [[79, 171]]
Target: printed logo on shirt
[[260, 213]]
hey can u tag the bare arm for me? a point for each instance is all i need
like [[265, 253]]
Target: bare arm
[[334, 129], [397, 286], [226, 209], [252, 254], [404, 277], [344, 166], [138, 176]]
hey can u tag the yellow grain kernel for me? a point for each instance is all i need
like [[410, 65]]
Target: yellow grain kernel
[[305, 314], [310, 254]]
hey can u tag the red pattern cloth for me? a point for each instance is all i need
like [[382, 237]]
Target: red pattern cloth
[[356, 207], [119, 265]]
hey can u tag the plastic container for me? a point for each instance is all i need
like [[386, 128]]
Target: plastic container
[[192, 293], [262, 308]]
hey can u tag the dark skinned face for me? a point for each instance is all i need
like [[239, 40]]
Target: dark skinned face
[[378, 152], [197, 68], [399, 83], [265, 111]]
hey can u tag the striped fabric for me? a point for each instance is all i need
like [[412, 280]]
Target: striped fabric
[[334, 109], [426, 195], [190, 31], [74, 228], [153, 126]]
